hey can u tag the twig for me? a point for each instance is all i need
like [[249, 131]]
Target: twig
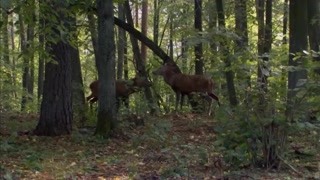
[[290, 166]]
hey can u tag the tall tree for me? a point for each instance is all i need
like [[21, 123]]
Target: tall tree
[[56, 107], [121, 43], [198, 51], [26, 72], [314, 29], [241, 43], [78, 100], [285, 21], [144, 28], [42, 50], [5, 59], [105, 63], [227, 59], [298, 41]]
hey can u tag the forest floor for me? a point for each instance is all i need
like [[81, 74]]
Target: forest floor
[[173, 146]]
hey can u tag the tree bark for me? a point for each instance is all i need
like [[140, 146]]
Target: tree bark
[[198, 51], [42, 51], [78, 99], [314, 29], [285, 21], [298, 21], [144, 28], [224, 49], [56, 107], [26, 71], [121, 42], [105, 63]]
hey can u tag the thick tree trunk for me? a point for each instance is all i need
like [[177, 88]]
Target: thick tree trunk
[[298, 41], [56, 107], [105, 63]]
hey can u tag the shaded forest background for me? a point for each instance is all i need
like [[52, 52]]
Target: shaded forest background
[[263, 56]]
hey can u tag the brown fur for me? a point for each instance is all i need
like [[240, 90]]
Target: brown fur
[[123, 88], [184, 84]]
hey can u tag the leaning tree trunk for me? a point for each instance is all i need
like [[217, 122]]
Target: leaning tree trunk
[[56, 107], [137, 56]]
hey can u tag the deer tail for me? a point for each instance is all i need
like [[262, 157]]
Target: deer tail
[[215, 97]]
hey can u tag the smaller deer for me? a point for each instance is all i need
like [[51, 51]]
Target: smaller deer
[[123, 88], [184, 84]]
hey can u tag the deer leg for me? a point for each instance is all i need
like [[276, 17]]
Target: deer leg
[[178, 94], [210, 107], [181, 101]]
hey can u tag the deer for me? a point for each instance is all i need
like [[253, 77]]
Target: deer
[[123, 89], [184, 84]]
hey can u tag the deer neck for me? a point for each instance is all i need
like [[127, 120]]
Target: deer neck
[[169, 77]]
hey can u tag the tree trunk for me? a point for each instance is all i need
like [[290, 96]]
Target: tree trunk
[[314, 29], [156, 16], [144, 29], [93, 33], [78, 100], [298, 21], [198, 26], [241, 44], [285, 21], [25, 59], [14, 76], [121, 42], [224, 49], [42, 51], [213, 17], [139, 63], [105, 63], [6, 64], [56, 107], [30, 46]]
